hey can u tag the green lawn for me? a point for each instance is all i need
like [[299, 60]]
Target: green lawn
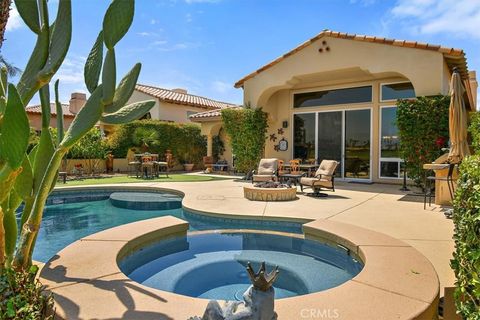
[[125, 179]]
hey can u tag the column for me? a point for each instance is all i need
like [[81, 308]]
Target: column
[[209, 145]]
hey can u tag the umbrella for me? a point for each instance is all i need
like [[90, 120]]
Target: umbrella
[[457, 120]]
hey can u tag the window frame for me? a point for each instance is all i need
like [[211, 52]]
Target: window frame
[[380, 93], [312, 90], [381, 159]]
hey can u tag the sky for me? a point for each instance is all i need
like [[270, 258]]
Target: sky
[[205, 46]]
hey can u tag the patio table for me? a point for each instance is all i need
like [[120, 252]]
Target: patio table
[[310, 168], [442, 193]]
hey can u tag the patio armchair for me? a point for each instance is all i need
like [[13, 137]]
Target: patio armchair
[[267, 171], [324, 178]]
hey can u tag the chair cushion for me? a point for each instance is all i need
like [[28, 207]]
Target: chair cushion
[[262, 177], [267, 166], [314, 182], [327, 169]]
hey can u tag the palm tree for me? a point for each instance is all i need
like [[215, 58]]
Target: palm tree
[[4, 14], [145, 138], [11, 69]]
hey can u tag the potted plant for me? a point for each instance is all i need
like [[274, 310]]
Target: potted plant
[[187, 162]]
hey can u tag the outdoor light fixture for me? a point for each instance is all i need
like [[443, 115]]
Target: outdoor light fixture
[[285, 124]]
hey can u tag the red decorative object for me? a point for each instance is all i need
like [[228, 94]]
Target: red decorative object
[[280, 131], [440, 142], [276, 147], [273, 137]]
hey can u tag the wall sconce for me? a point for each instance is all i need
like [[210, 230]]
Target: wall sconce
[[285, 124]]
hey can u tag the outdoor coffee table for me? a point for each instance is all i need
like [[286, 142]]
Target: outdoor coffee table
[[295, 178]]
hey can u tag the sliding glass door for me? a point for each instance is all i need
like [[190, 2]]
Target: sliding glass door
[[344, 136], [329, 137], [357, 144]]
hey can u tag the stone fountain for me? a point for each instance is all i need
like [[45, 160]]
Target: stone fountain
[[257, 304]]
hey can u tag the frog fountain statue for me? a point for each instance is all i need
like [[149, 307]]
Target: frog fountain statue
[[257, 304]]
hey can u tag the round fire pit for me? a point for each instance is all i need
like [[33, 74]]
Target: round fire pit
[[257, 193]]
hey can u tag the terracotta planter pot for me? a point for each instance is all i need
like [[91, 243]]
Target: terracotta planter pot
[[188, 166]]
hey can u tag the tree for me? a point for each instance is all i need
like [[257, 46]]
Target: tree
[[4, 15], [145, 138], [92, 148]]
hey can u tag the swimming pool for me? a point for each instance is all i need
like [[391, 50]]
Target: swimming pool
[[72, 215], [212, 265]]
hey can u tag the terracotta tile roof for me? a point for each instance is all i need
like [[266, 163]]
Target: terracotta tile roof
[[453, 57], [182, 98], [208, 114], [53, 110]]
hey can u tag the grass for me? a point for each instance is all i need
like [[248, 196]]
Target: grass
[[126, 179]]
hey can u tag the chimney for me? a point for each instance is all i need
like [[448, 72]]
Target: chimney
[[472, 78], [180, 90], [77, 102]]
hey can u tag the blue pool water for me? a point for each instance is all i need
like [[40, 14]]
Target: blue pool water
[[72, 215], [212, 265]]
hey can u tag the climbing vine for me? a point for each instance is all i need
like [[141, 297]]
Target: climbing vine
[[423, 130], [246, 129]]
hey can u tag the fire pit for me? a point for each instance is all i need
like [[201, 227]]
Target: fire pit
[[270, 191]]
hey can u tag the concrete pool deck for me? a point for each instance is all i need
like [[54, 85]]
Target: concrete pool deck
[[377, 207]]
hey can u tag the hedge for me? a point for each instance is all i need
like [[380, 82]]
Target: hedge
[[466, 258], [184, 140], [474, 130], [246, 129], [423, 129]]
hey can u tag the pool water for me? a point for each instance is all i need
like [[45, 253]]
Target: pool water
[[212, 265], [72, 215]]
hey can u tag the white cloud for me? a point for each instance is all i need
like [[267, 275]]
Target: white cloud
[[14, 21], [71, 71], [165, 46], [365, 3], [455, 17], [221, 86], [188, 17]]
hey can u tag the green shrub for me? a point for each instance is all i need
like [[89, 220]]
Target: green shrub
[[92, 147], [246, 128], [22, 297], [466, 258], [184, 140], [474, 129], [423, 131]]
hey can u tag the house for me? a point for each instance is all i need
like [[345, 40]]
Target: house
[[76, 102], [174, 105], [334, 97]]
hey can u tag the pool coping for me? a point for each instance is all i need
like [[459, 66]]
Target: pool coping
[[397, 282]]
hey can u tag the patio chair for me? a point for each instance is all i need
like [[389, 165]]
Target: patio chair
[[430, 185], [295, 166], [267, 170], [324, 178]]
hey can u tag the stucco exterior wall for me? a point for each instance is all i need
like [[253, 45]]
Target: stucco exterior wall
[[35, 120], [164, 110], [347, 61]]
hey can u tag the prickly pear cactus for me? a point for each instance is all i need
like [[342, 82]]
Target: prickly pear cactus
[[30, 178]]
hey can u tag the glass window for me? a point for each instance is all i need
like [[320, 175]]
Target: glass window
[[357, 144], [396, 91], [330, 137], [389, 169], [331, 97], [390, 142], [304, 136]]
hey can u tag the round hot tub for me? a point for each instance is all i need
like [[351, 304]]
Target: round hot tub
[[212, 265]]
